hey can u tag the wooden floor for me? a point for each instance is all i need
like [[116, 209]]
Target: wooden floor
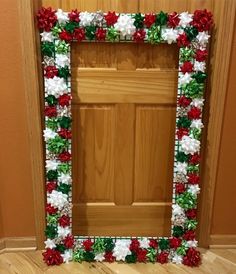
[[215, 261]]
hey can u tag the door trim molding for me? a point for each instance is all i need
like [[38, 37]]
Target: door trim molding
[[223, 241], [14, 244], [224, 13]]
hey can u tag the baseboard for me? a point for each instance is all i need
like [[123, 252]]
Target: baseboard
[[223, 241], [15, 244]]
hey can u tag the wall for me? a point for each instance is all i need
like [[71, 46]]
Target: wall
[[16, 198]]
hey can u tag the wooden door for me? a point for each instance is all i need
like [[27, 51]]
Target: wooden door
[[124, 100]]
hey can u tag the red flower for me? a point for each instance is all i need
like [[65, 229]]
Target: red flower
[[66, 36], [191, 213], [186, 67], [201, 55], [79, 34], [193, 179], [64, 156], [111, 18], [139, 35], [65, 133], [134, 246], [142, 255], [46, 18], [50, 71], [179, 188], [183, 101], [100, 34], [109, 257], [69, 241], [192, 257], [153, 243], [50, 111], [189, 235], [195, 159], [173, 20], [87, 245], [50, 186], [163, 257], [64, 100], [74, 16], [175, 242], [181, 132], [194, 113], [202, 20], [182, 40], [52, 257], [64, 221], [50, 209], [149, 19]]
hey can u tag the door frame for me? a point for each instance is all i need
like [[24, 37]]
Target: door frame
[[224, 13]]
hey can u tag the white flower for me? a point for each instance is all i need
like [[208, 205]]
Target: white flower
[[144, 243], [55, 86], [67, 256], [199, 66], [49, 134], [181, 168], [121, 249], [196, 124], [63, 231], [57, 199], [125, 24], [189, 145], [62, 16], [99, 257], [194, 189], [64, 179], [169, 35], [49, 244], [192, 243], [86, 18], [185, 19], [177, 210], [46, 36], [177, 259], [203, 38], [51, 165], [197, 102], [62, 60], [184, 78]]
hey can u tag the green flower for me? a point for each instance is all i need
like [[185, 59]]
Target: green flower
[[154, 34], [64, 188], [161, 18], [151, 254], [131, 258], [78, 255], [182, 157], [51, 100], [191, 33], [178, 231], [183, 122], [186, 54], [163, 244], [51, 231], [64, 72], [112, 34], [48, 48], [90, 32], [57, 144], [52, 124], [65, 122], [62, 47], [186, 200], [138, 20], [52, 175]]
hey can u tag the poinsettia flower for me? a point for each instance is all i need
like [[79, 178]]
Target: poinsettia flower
[[49, 134], [203, 38], [50, 244], [185, 19], [62, 60], [199, 66], [86, 18], [189, 145], [125, 25], [169, 35], [62, 16], [65, 178], [47, 36], [57, 199], [196, 124]]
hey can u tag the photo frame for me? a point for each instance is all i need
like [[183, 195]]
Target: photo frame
[[191, 33]]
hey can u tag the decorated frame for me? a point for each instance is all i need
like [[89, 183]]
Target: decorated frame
[[191, 33]]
